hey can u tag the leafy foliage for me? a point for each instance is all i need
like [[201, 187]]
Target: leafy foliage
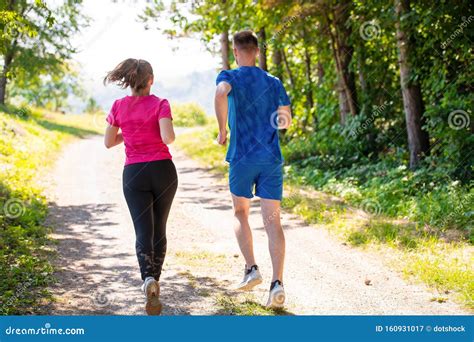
[[188, 114], [367, 154], [36, 49]]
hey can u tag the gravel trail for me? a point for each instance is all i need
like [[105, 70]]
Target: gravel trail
[[98, 271]]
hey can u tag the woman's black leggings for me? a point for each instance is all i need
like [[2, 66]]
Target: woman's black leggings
[[149, 189]]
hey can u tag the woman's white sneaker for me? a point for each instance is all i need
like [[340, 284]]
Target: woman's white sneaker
[[252, 278], [151, 289], [276, 299]]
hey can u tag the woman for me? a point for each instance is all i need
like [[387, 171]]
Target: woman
[[149, 176]]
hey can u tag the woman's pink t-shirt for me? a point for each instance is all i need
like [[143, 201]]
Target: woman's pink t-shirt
[[138, 118]]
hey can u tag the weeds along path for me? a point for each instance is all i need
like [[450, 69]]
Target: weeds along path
[[98, 273]]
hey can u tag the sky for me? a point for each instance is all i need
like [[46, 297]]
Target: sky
[[184, 70]]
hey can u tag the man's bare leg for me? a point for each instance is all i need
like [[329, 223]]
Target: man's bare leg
[[276, 237], [242, 228]]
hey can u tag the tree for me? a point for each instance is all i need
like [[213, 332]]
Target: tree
[[92, 106], [13, 25], [308, 72], [225, 48], [36, 39], [339, 30], [262, 57], [49, 91], [211, 19], [277, 61], [395, 81], [418, 139]]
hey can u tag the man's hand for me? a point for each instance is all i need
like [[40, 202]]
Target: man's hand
[[282, 118], [222, 137]]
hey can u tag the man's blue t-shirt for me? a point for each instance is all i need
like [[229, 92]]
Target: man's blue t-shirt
[[253, 104]]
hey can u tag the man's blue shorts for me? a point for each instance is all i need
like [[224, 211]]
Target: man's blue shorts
[[267, 179]]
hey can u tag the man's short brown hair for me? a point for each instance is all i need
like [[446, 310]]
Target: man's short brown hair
[[245, 40]]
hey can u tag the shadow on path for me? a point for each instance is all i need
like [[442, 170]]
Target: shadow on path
[[84, 241]]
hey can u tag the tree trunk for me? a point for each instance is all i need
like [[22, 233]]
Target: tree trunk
[[3, 86], [344, 108], [364, 100], [320, 73], [309, 88], [3, 76], [343, 52], [225, 50], [290, 77], [262, 56], [418, 139], [288, 69], [308, 70], [277, 60], [362, 81], [320, 68], [9, 54]]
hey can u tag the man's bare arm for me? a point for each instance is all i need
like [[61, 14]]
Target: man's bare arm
[[221, 107]]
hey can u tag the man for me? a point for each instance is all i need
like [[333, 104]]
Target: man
[[256, 105]]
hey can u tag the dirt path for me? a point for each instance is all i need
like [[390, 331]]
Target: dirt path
[[98, 271]]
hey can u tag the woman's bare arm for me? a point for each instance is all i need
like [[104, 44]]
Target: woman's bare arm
[[112, 137], [166, 130]]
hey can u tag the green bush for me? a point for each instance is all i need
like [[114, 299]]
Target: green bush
[[428, 195], [188, 114]]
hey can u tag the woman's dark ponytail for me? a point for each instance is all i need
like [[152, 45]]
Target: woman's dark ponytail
[[133, 73]]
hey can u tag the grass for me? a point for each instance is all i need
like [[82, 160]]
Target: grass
[[227, 302], [194, 282], [29, 143], [440, 258], [201, 144], [200, 258], [248, 307]]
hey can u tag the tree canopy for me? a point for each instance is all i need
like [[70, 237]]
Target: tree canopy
[[36, 48], [368, 79]]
